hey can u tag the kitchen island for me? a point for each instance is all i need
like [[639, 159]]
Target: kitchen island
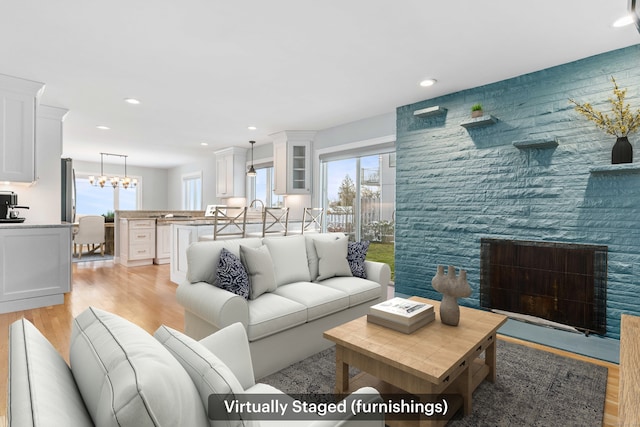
[[35, 260], [184, 233], [143, 237]]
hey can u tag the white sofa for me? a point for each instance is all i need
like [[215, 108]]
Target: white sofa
[[313, 293], [119, 375]]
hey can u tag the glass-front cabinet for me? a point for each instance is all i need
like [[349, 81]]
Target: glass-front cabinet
[[292, 162], [299, 167]]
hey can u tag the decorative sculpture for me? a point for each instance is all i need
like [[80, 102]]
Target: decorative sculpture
[[451, 288]]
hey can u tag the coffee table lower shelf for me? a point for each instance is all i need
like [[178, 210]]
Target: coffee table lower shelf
[[479, 372]]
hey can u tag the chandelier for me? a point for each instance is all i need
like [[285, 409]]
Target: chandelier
[[114, 180]]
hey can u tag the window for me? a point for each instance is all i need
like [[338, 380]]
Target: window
[[359, 196], [192, 191], [260, 188], [96, 200]]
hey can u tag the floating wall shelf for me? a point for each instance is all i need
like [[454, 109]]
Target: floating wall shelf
[[620, 169], [485, 120], [536, 143], [430, 111]]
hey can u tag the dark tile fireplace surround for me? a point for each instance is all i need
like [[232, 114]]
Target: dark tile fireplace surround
[[560, 282]]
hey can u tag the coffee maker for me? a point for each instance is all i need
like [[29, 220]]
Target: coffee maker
[[8, 202]]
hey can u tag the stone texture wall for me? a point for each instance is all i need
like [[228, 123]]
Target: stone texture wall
[[457, 185]]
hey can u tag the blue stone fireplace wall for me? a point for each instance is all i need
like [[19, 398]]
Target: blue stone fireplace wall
[[457, 185]]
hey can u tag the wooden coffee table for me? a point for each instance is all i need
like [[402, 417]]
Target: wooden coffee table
[[436, 359]]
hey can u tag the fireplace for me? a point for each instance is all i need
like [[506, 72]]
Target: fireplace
[[560, 282]]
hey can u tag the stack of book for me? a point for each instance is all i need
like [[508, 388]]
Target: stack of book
[[401, 314]]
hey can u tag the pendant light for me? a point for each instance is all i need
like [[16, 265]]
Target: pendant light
[[115, 181], [252, 170]]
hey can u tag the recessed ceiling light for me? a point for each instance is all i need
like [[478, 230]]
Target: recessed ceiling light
[[101, 127], [204, 144], [132, 101], [428, 82], [252, 128]]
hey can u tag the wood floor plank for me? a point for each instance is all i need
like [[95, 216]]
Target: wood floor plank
[[146, 297]]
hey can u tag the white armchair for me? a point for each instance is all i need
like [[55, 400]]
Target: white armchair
[[230, 348], [90, 232]]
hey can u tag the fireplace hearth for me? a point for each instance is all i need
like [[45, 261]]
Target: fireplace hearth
[[561, 282]]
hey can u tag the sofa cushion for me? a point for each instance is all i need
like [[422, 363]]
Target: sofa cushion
[[232, 275], [289, 256], [127, 378], [356, 254], [209, 374], [332, 258], [41, 389], [312, 255], [202, 257], [259, 267], [272, 313], [359, 290], [319, 300]]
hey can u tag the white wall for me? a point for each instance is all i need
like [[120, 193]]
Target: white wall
[[174, 185], [368, 129], [154, 180], [360, 130], [43, 196]]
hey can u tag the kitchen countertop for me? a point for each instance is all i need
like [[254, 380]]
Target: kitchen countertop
[[252, 218], [27, 224]]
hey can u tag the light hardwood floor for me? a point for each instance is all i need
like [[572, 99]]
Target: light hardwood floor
[[146, 296]]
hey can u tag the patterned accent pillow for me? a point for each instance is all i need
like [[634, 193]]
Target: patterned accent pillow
[[356, 253], [232, 275]]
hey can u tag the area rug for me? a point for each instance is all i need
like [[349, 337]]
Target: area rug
[[91, 257], [533, 388]]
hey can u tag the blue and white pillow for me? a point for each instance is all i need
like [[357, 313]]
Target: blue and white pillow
[[232, 275], [356, 253]]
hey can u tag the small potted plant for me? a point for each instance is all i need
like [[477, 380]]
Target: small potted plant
[[109, 216], [620, 124], [476, 110]]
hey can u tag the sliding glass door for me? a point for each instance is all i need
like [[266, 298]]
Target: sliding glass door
[[359, 196]]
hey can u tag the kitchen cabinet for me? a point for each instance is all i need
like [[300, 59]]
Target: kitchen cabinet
[[292, 162], [18, 101], [163, 244], [230, 172], [184, 235], [35, 260], [137, 241]]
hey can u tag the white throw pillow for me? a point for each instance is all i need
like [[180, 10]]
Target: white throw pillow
[[259, 266], [312, 255], [127, 378], [332, 257], [289, 256], [209, 374]]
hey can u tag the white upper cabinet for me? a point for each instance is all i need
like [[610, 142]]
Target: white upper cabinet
[[292, 162], [18, 101], [230, 172]]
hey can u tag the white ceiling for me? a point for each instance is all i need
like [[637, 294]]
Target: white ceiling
[[206, 69]]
